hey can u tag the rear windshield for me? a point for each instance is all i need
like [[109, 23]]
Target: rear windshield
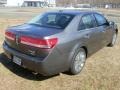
[[52, 20]]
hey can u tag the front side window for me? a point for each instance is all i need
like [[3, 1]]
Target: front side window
[[101, 20], [53, 20], [87, 22]]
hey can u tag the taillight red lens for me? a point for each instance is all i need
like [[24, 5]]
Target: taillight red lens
[[41, 43], [10, 35]]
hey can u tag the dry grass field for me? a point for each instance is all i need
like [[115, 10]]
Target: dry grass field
[[102, 70]]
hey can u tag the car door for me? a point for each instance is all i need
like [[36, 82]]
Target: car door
[[104, 26], [91, 34]]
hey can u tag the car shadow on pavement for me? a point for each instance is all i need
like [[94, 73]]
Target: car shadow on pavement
[[24, 73]]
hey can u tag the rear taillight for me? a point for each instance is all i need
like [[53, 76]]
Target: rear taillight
[[40, 43], [10, 35]]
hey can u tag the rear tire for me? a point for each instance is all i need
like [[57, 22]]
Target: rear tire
[[114, 38], [78, 61]]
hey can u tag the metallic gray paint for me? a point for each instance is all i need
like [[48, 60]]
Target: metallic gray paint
[[58, 59]]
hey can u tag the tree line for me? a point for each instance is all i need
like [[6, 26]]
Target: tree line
[[65, 2]]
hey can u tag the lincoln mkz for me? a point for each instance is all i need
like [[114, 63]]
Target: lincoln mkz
[[59, 41]]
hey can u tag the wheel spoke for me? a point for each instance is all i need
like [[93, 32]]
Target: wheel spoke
[[80, 61], [114, 38]]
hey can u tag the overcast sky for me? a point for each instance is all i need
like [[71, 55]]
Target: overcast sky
[[19, 2], [14, 2]]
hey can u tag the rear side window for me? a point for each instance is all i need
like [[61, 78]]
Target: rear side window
[[87, 22], [100, 20]]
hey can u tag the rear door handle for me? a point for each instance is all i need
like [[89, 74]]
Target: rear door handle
[[87, 36], [103, 31]]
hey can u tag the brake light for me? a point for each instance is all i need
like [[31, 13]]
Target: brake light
[[41, 43], [10, 35]]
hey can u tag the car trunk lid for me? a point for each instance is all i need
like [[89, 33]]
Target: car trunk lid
[[29, 39]]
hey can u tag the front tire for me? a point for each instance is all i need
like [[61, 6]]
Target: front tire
[[78, 61]]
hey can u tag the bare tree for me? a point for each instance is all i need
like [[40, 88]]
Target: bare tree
[[66, 2]]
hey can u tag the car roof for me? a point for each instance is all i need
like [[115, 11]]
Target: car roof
[[74, 12]]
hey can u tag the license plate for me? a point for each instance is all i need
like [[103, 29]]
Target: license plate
[[17, 60]]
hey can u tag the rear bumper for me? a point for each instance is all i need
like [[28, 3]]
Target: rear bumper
[[50, 65]]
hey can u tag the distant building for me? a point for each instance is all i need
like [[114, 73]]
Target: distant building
[[34, 3], [51, 3], [31, 3], [39, 3], [3, 2]]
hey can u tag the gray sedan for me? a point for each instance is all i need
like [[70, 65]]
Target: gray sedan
[[59, 41]]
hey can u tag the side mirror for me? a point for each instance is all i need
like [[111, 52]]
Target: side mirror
[[111, 23]]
